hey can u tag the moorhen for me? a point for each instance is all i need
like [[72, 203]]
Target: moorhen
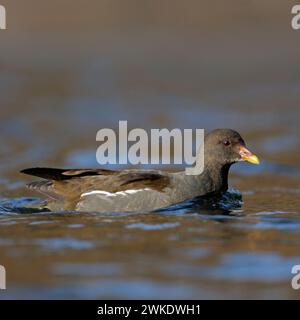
[[132, 190]]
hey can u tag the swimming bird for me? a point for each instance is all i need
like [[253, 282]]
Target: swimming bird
[[135, 190]]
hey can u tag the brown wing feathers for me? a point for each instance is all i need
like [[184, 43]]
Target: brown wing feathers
[[65, 184], [64, 174], [137, 179]]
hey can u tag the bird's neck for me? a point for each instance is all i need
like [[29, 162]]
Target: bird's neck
[[219, 176], [213, 179]]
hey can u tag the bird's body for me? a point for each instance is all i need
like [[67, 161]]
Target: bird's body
[[141, 190]]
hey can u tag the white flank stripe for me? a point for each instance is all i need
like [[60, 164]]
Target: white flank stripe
[[111, 194]]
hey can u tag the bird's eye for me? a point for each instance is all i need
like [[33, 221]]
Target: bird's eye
[[226, 143]]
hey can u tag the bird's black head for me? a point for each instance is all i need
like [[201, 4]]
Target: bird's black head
[[226, 146]]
